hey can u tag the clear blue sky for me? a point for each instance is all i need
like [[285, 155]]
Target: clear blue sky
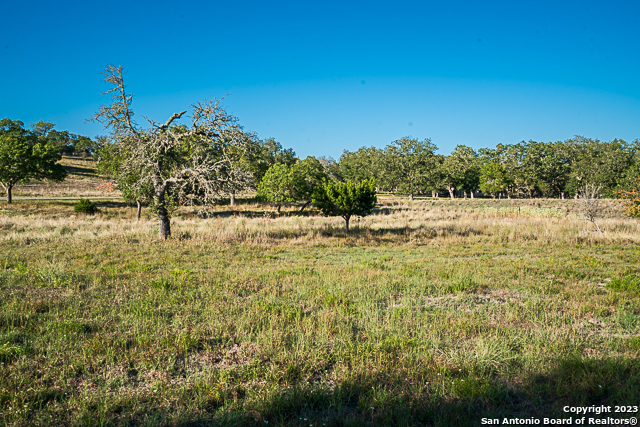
[[324, 76]]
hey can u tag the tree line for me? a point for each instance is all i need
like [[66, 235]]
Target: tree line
[[163, 164], [526, 169]]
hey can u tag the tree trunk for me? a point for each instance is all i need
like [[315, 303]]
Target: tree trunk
[[433, 194], [472, 196], [279, 206], [232, 198], [597, 228], [562, 195], [305, 205], [411, 196], [9, 196], [347, 218], [164, 230], [465, 194], [451, 189], [139, 212]]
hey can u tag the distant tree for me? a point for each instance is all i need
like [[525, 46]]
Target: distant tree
[[278, 186], [284, 184], [460, 170], [68, 143], [346, 199], [547, 167], [493, 179], [331, 168], [174, 160], [601, 163], [245, 157], [410, 165], [26, 155], [85, 146], [309, 174], [111, 159], [269, 153], [365, 163]]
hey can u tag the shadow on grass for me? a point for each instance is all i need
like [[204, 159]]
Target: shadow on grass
[[384, 400], [113, 204], [87, 172], [411, 399]]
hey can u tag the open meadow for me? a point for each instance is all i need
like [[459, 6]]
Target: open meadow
[[430, 312], [82, 181]]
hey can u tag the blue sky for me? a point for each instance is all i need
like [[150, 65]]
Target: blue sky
[[323, 76]]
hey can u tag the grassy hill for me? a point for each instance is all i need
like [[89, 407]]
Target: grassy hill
[[82, 181]]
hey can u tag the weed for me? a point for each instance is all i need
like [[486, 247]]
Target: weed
[[629, 282]]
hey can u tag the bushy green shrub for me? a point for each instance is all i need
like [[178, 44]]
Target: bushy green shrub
[[85, 206], [346, 199]]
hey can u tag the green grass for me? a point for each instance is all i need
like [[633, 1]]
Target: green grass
[[426, 314]]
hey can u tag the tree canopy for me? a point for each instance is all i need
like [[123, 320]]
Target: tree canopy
[[27, 154]]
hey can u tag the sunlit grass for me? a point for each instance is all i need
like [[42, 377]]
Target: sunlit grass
[[429, 312]]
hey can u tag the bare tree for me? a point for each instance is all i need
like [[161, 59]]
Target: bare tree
[[589, 203], [199, 160]]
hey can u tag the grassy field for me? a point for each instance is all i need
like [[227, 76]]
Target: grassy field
[[428, 313], [82, 181]]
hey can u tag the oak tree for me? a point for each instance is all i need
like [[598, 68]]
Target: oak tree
[[27, 155], [197, 160]]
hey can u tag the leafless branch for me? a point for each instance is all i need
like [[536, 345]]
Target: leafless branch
[[589, 203]]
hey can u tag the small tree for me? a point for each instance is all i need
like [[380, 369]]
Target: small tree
[[309, 175], [589, 203], [27, 155], [284, 184], [346, 199], [112, 158], [278, 186]]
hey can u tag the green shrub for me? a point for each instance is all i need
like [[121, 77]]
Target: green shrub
[[85, 206], [346, 199]]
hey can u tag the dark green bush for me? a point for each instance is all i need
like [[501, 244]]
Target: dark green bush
[[85, 206]]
